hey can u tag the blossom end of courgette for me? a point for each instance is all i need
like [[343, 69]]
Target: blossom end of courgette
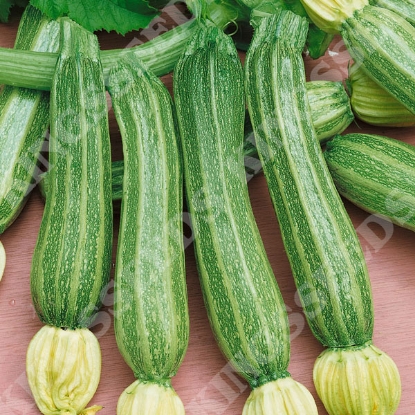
[[357, 381]]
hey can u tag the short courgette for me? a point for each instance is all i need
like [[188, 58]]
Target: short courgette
[[378, 39], [376, 173]]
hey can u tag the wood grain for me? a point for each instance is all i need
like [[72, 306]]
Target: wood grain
[[205, 382]]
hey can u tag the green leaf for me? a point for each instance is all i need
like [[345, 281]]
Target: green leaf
[[5, 10], [121, 16], [52, 8]]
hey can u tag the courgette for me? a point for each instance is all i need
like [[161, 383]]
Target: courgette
[[24, 119], [150, 314], [405, 8], [379, 40], [330, 110], [373, 104], [243, 301], [159, 54], [72, 257], [375, 173], [322, 246]]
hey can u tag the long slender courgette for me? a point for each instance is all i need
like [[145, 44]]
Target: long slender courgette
[[351, 376], [243, 302], [72, 257], [151, 312]]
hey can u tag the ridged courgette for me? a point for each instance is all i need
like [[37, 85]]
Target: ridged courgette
[[151, 313], [243, 302], [322, 246], [330, 110], [72, 257], [373, 104], [376, 173], [381, 41], [24, 119]]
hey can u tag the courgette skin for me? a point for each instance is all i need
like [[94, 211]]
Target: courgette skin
[[72, 256], [151, 312], [376, 173], [405, 8], [24, 119], [331, 277], [383, 44], [330, 110]]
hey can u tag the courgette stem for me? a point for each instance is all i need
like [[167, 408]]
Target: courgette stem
[[151, 314], [243, 302], [24, 119], [72, 258], [322, 246]]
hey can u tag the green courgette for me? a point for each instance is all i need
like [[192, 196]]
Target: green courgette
[[379, 40], [376, 173], [243, 302], [322, 246], [373, 104], [72, 257], [330, 110], [150, 314], [24, 119], [405, 8]]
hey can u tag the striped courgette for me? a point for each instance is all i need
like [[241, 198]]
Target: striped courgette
[[24, 119], [322, 246], [243, 302], [151, 313], [373, 104], [330, 110], [72, 257], [380, 40], [405, 8], [376, 173]]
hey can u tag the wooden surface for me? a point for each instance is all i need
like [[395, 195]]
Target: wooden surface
[[205, 382]]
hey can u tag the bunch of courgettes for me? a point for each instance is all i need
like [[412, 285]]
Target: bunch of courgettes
[[199, 141]]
